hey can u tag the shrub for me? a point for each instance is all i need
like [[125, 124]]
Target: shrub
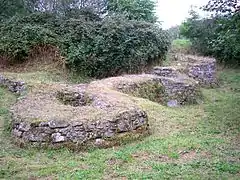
[[94, 47], [117, 45], [18, 37]]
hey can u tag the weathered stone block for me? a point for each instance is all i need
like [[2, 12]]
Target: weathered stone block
[[57, 138]]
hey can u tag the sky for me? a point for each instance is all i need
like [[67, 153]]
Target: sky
[[173, 12]]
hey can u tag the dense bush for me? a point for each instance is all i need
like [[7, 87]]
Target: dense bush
[[93, 46], [18, 36], [116, 45], [201, 34], [134, 9]]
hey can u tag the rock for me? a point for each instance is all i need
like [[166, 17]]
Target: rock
[[17, 133], [57, 138], [24, 127], [76, 123], [172, 103], [64, 131], [35, 136], [109, 134], [100, 142], [123, 126], [58, 124], [44, 124], [17, 87], [165, 71], [45, 130]]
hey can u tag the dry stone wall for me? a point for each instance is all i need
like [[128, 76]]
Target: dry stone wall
[[204, 71], [77, 115], [80, 132], [182, 80], [17, 87]]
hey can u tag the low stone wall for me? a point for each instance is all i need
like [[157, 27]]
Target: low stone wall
[[182, 80], [91, 113], [14, 86], [81, 132], [77, 115], [203, 70], [165, 71], [180, 91]]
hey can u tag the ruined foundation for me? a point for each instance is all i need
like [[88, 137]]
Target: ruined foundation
[[97, 113]]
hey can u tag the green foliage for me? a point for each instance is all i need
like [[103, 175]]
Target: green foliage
[[114, 46], [174, 32], [134, 9], [9, 8], [200, 32], [181, 45], [217, 36], [17, 38], [92, 46], [222, 6]]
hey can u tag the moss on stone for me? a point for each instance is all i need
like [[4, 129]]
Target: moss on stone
[[151, 90]]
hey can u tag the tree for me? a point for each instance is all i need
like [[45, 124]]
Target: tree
[[62, 6], [174, 32], [218, 35], [9, 8], [134, 9], [223, 6]]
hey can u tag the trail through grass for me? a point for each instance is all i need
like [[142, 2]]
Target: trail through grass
[[191, 142]]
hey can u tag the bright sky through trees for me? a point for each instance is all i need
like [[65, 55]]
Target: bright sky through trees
[[173, 12]]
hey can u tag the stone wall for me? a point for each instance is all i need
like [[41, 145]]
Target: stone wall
[[203, 70], [165, 71], [14, 86], [80, 132], [182, 80], [180, 91], [75, 115]]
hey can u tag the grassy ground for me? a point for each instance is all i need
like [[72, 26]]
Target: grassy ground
[[181, 45], [192, 142]]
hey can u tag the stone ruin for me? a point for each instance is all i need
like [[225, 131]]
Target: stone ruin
[[13, 86], [104, 112]]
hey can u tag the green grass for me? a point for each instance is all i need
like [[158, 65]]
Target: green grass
[[181, 43], [181, 46], [41, 77], [191, 142]]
